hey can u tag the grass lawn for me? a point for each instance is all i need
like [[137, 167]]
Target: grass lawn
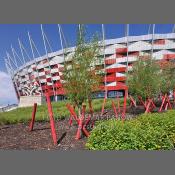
[[59, 109]]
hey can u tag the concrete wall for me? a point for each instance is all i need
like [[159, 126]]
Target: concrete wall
[[26, 101]]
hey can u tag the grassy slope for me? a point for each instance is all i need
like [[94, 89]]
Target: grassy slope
[[59, 109]]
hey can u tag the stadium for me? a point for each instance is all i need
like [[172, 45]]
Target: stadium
[[44, 74]]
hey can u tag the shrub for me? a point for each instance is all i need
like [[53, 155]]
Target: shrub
[[147, 132]]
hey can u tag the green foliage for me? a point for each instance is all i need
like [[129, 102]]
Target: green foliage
[[147, 132], [167, 76], [81, 77], [143, 80]]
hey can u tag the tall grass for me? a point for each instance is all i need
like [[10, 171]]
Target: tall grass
[[59, 109]]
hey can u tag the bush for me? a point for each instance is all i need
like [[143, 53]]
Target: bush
[[147, 132]]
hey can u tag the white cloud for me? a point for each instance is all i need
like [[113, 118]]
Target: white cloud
[[7, 92]]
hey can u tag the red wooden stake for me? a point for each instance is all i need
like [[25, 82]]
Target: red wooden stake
[[52, 123], [114, 108], [124, 106], [118, 104], [103, 106], [133, 102], [82, 123], [142, 102], [166, 106], [72, 112], [148, 106], [163, 101], [33, 117], [168, 101]]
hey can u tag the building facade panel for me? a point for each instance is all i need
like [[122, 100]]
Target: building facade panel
[[39, 76]]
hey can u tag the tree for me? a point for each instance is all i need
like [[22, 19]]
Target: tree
[[144, 80], [167, 76], [80, 74]]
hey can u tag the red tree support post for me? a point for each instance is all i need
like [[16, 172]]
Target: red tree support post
[[103, 106], [118, 104], [33, 117], [168, 101], [114, 108], [149, 105], [72, 113], [165, 103], [82, 122], [124, 106], [52, 123], [132, 102], [71, 118], [142, 102]]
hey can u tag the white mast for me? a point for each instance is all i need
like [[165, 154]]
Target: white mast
[[104, 56], [43, 36], [11, 60], [149, 29], [152, 43], [173, 31], [15, 54], [7, 61], [33, 55], [20, 46], [127, 45], [61, 40]]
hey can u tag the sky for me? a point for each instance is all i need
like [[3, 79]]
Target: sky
[[9, 34]]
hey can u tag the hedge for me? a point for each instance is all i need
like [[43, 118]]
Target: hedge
[[147, 132]]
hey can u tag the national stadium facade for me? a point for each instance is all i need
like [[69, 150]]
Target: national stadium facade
[[45, 74]]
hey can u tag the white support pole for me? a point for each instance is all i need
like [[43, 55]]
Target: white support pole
[[22, 53], [61, 40], [20, 46], [127, 45], [14, 56], [79, 27], [21, 60], [26, 53], [8, 67], [64, 38], [35, 47], [11, 60], [42, 32], [173, 31], [33, 55], [149, 29], [48, 42], [104, 57], [13, 79], [152, 43]]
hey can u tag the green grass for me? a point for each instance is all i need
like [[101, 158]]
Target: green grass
[[23, 115]]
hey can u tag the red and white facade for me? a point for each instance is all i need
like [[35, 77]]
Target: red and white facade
[[45, 74]]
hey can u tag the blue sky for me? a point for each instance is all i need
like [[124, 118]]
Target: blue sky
[[9, 33]]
